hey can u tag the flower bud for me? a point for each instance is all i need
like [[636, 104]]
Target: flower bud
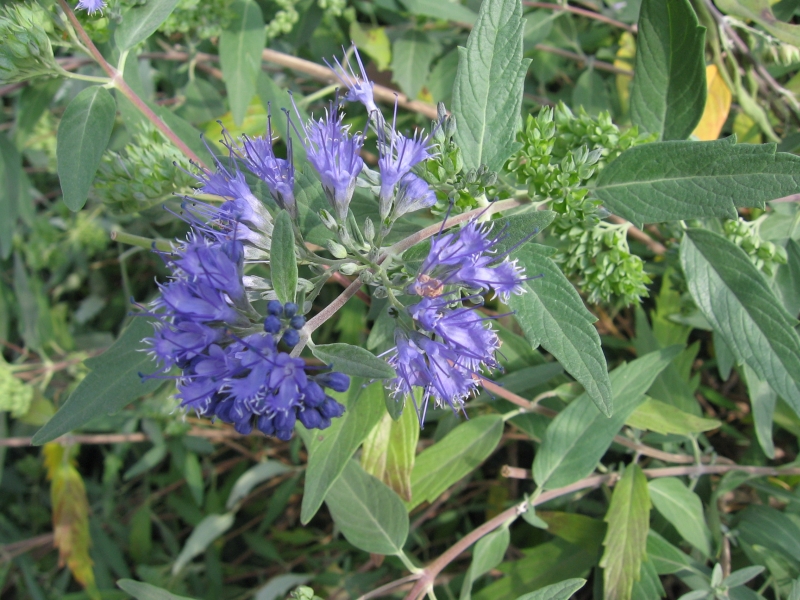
[[336, 249], [369, 230], [328, 220], [348, 268]]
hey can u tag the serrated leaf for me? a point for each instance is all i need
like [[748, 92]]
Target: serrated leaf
[[83, 135], [354, 361], [141, 21], [718, 105], [488, 553], [453, 457], [487, 95], [70, 515], [552, 315], [202, 536], [145, 591], [760, 11], [654, 415], [683, 508], [282, 260], [112, 383], [562, 590], [579, 436], [670, 181], [330, 450], [370, 515], [240, 47], [412, 55], [251, 478], [740, 306], [669, 87], [762, 402], [10, 191], [628, 519]]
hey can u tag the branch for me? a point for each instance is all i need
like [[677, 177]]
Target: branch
[[119, 438], [590, 14], [634, 232]]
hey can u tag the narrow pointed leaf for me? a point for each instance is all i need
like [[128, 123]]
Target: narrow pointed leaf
[[354, 361], [683, 508], [145, 591], [283, 262], [563, 590], [240, 47], [141, 21]]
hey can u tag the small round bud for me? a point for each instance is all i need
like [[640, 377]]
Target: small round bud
[[291, 337], [367, 277], [380, 292], [348, 268], [336, 249], [272, 324], [290, 309], [297, 321], [274, 307]]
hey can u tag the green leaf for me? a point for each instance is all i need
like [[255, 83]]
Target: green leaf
[[553, 315], [591, 93], [10, 192], [520, 227], [203, 102], [579, 436], [628, 519], [762, 401], [487, 95], [371, 516], [740, 306], [112, 383], [329, 450], [669, 87], [282, 260], [654, 415], [455, 456], [667, 559], [770, 528], [193, 473], [354, 360], [145, 591], [649, 586], [412, 55], [82, 138], [447, 11], [202, 536], [670, 181], [251, 478], [760, 11], [390, 450], [562, 590], [683, 508], [488, 553], [240, 47], [141, 21]]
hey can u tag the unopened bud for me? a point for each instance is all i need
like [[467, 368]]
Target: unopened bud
[[380, 292], [328, 220], [369, 230], [348, 268], [336, 249]]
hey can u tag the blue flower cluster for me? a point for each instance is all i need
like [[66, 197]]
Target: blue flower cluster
[[452, 343], [91, 6]]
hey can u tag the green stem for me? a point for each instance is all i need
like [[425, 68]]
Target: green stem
[[141, 242], [81, 77]]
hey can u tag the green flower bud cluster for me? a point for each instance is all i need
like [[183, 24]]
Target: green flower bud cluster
[[561, 153], [765, 255], [147, 171], [25, 51], [198, 19], [284, 20], [333, 8], [88, 234], [15, 395]]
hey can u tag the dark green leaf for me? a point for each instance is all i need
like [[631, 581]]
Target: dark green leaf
[[671, 181], [455, 456], [628, 519], [487, 95], [354, 361], [740, 306], [770, 528], [141, 21], [669, 87], [553, 315], [283, 262], [762, 401], [112, 383], [240, 47], [10, 192], [579, 436], [83, 135], [590, 92], [412, 55], [562, 590], [329, 450], [145, 591], [203, 102], [371, 516], [520, 227], [683, 508]]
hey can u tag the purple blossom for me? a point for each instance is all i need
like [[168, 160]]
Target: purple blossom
[[91, 6], [359, 87], [413, 194], [334, 154]]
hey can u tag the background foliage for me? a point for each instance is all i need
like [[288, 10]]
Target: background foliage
[[641, 439]]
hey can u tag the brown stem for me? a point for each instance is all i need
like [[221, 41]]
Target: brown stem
[[597, 64], [583, 12], [118, 438], [119, 83], [634, 232], [425, 582]]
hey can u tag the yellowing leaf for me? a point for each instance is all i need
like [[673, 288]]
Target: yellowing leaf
[[746, 129], [624, 60], [718, 105], [70, 514], [254, 123], [654, 415], [374, 42], [389, 452]]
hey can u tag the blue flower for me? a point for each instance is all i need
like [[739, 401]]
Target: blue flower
[[91, 6], [359, 88], [334, 154], [413, 194]]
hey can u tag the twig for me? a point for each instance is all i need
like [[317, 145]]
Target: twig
[[119, 438], [597, 64], [654, 246], [119, 83], [583, 12]]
